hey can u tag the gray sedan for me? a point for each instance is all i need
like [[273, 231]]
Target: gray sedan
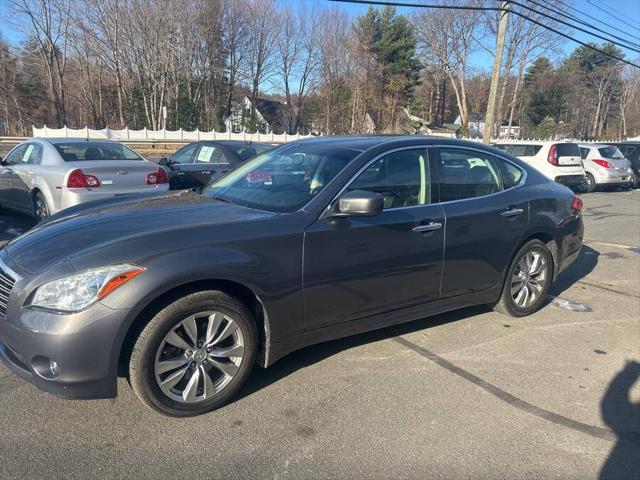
[[40, 177]]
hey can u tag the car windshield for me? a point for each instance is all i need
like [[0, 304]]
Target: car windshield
[[247, 151], [86, 151], [282, 180], [611, 153]]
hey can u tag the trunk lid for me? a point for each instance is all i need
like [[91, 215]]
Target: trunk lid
[[116, 175]]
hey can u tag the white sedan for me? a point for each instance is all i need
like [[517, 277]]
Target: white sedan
[[40, 177]]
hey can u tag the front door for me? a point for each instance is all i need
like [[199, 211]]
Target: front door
[[7, 197], [485, 215], [362, 266]]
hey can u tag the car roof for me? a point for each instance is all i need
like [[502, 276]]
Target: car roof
[[595, 145], [235, 142], [58, 140]]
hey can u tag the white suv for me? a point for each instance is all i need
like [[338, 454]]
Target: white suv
[[559, 161], [605, 165]]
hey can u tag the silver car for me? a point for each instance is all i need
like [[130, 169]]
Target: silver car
[[40, 177], [605, 165]]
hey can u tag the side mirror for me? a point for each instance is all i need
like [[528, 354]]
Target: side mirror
[[360, 203], [164, 161]]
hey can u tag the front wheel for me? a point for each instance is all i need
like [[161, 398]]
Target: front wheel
[[528, 280], [194, 355]]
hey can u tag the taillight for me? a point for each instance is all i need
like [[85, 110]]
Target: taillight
[[603, 163], [576, 204], [553, 155], [77, 179], [158, 177]]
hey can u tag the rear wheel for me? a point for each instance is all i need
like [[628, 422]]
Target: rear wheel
[[40, 207], [194, 355], [589, 184], [528, 280]]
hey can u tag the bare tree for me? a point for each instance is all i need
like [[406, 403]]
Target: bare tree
[[298, 61], [630, 81], [447, 41], [262, 33], [47, 23]]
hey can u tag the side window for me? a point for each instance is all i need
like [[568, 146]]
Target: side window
[[510, 174], [403, 178], [467, 174], [15, 157], [185, 154], [32, 154], [209, 154], [584, 152]]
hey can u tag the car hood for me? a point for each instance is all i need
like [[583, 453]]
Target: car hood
[[85, 228]]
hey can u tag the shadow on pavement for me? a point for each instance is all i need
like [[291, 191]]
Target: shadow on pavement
[[623, 417], [580, 268], [13, 225], [262, 378]]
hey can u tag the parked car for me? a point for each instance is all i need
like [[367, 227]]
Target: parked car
[[558, 161], [197, 164], [605, 165], [42, 176], [185, 292], [631, 151]]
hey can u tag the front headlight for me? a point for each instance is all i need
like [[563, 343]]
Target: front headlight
[[77, 292]]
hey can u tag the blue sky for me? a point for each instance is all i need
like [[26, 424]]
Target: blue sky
[[627, 11]]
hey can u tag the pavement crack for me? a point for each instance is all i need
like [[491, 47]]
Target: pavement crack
[[612, 290]]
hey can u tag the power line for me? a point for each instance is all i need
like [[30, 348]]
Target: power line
[[513, 2], [488, 9], [549, 6], [614, 16], [585, 14]]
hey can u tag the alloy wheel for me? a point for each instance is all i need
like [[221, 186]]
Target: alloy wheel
[[528, 279], [199, 357], [40, 208]]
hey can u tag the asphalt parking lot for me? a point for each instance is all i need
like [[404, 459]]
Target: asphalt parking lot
[[470, 394]]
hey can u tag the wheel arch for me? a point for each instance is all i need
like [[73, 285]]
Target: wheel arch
[[236, 289], [549, 240]]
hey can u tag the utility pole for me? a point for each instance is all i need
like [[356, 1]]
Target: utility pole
[[495, 75]]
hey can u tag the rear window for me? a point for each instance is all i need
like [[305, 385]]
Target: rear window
[[86, 151], [245, 152], [567, 150], [610, 152], [524, 150]]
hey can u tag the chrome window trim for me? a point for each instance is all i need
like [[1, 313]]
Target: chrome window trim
[[519, 185], [427, 147]]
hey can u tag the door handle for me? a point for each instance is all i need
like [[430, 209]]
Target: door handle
[[429, 227], [512, 212], [206, 172]]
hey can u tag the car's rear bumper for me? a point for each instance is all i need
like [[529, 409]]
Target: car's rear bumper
[[570, 180], [77, 196]]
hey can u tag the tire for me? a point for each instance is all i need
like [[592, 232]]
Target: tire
[[589, 184], [40, 208], [154, 345], [536, 284]]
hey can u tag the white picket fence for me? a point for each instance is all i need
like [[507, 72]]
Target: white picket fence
[[170, 136]]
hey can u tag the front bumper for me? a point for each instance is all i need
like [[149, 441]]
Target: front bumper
[[81, 344]]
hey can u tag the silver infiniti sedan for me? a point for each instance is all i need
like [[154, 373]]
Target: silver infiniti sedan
[[40, 177]]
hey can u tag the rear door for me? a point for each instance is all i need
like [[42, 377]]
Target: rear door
[[209, 163], [486, 216], [359, 267]]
